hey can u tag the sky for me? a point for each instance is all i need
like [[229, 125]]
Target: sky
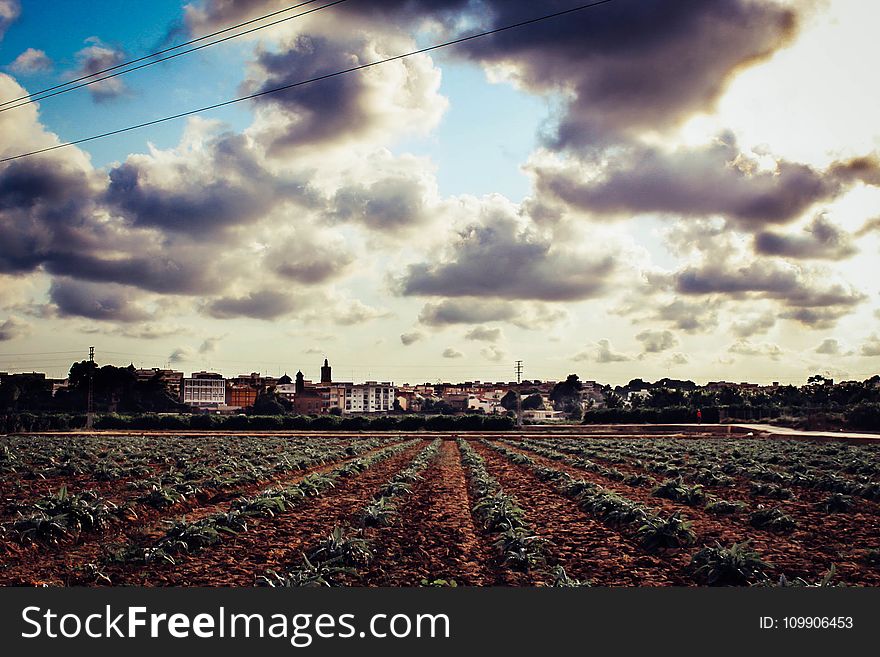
[[644, 188]]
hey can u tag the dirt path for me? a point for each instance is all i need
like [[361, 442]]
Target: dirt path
[[270, 543], [586, 548], [433, 536]]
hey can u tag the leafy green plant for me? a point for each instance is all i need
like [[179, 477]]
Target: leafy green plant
[[836, 503], [520, 550], [378, 513], [344, 548], [773, 520], [678, 491], [560, 579], [725, 507], [672, 532], [736, 565]]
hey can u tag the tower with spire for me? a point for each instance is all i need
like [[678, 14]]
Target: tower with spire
[[326, 376]]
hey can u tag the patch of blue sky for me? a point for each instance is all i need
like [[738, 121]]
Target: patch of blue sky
[[185, 83], [486, 135]]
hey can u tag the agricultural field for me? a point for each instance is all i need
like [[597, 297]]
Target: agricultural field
[[598, 508]]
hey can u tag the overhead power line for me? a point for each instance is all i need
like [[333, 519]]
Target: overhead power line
[[49, 93], [301, 83]]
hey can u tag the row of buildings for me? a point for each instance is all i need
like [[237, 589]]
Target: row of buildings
[[210, 391]]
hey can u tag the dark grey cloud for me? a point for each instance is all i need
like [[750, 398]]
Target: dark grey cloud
[[12, 328], [96, 57], [654, 342], [407, 339], [227, 187], [46, 210], [821, 240], [386, 205], [310, 259], [690, 316], [99, 302], [479, 311], [647, 64], [625, 65], [449, 352], [808, 299], [710, 181], [498, 258], [263, 304]]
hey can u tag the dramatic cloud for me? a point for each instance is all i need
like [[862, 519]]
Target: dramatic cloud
[[479, 311], [484, 334], [208, 185], [499, 258], [95, 57], [654, 342], [632, 66], [388, 204], [690, 317], [820, 240], [100, 302], [263, 304], [401, 96], [408, 339], [12, 328], [449, 352], [745, 348], [9, 12], [715, 180], [602, 352], [311, 260], [31, 61], [808, 298]]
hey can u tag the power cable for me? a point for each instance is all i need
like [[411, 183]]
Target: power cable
[[301, 83]]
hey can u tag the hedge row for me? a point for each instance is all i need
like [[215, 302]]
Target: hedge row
[[306, 422], [669, 415]]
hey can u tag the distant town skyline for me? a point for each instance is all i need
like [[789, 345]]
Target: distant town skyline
[[705, 206]]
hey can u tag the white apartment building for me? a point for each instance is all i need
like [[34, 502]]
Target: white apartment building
[[204, 390], [369, 397]]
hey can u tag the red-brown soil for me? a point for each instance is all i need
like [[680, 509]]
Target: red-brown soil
[[433, 535], [587, 549], [808, 552], [270, 543], [63, 563]]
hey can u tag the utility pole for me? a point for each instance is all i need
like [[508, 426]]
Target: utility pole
[[90, 408], [519, 416]]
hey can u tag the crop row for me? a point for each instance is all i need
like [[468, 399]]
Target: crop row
[[770, 519], [345, 550], [188, 537]]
